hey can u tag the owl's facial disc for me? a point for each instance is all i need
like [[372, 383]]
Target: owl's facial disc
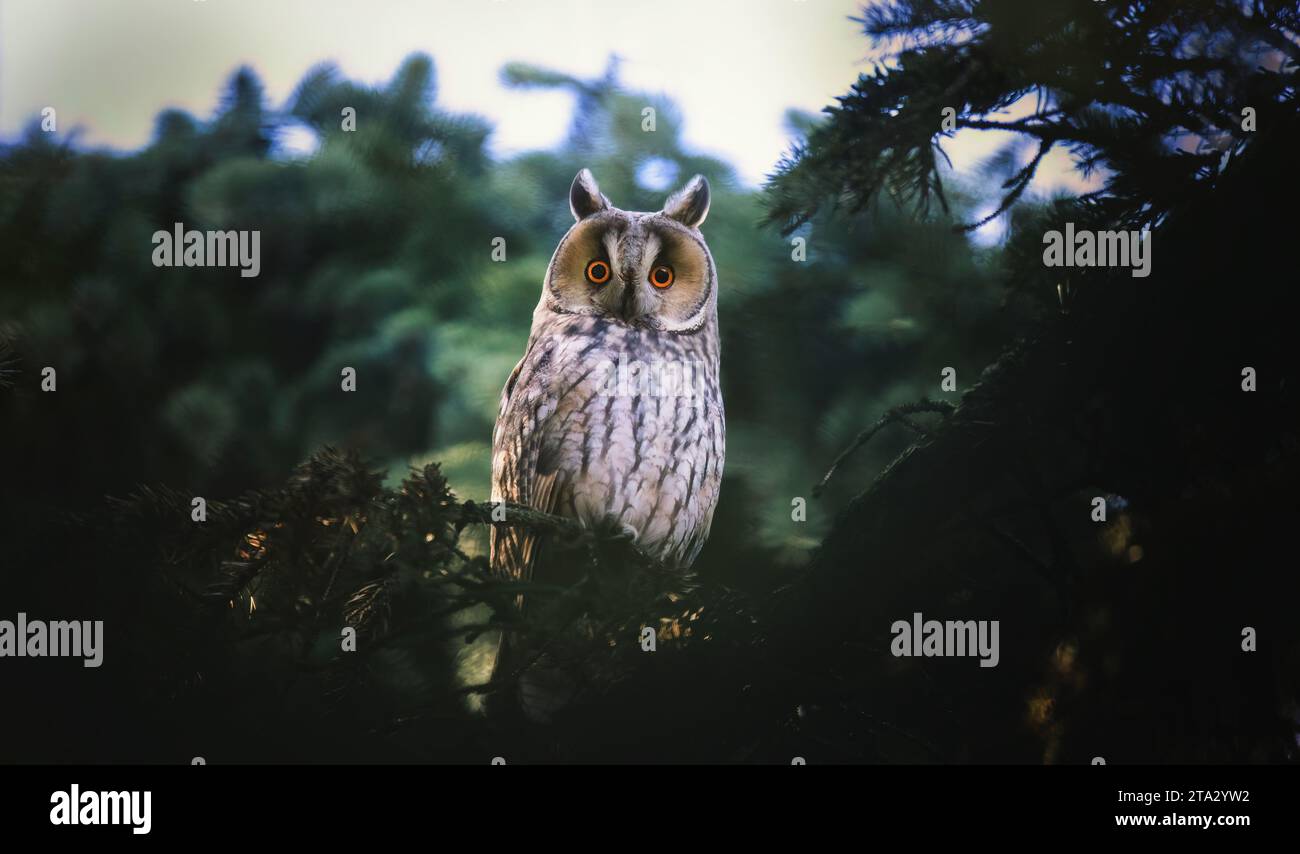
[[642, 270]]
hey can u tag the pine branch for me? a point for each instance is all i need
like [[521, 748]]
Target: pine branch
[[897, 414]]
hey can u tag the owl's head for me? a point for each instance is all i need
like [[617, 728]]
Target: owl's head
[[647, 270]]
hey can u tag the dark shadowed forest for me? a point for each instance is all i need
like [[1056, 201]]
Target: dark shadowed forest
[[858, 488]]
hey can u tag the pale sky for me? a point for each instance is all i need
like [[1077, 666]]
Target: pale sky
[[733, 66]]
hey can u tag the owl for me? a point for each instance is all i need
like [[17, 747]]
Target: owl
[[614, 414]]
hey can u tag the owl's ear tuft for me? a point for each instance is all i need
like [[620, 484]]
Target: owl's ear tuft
[[585, 197], [690, 204]]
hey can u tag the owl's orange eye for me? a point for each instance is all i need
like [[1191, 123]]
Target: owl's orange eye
[[662, 276], [597, 272]]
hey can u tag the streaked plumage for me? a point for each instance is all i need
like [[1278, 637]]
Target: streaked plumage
[[568, 440]]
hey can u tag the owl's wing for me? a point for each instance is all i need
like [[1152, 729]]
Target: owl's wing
[[520, 471], [514, 550]]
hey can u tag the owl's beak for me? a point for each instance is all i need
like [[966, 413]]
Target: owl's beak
[[634, 304]]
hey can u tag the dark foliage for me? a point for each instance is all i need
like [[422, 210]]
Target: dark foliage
[[1150, 90], [1126, 645]]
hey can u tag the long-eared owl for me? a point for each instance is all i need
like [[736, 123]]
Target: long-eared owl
[[614, 414]]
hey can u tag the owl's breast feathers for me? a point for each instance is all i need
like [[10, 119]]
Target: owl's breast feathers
[[581, 433]]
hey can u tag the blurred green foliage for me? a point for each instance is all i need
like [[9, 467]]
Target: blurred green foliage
[[376, 254]]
